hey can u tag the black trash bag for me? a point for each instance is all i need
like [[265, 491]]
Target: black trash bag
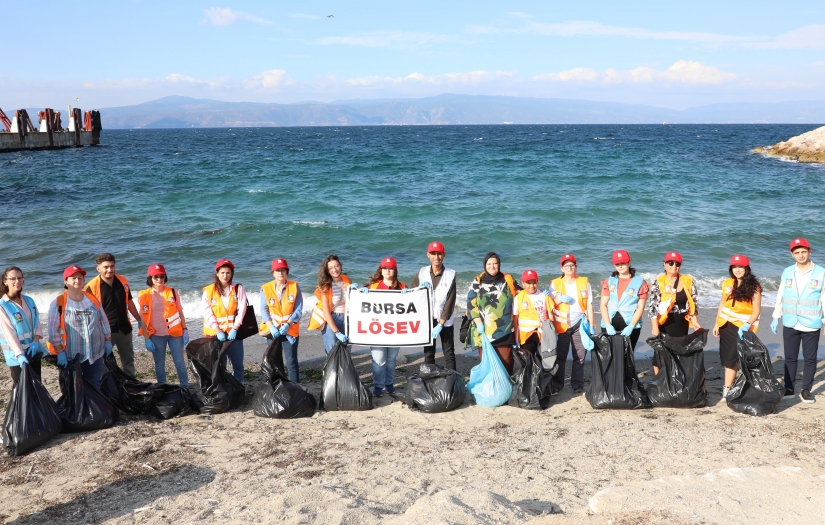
[[342, 388], [217, 390], [81, 406], [435, 389], [615, 383], [680, 382], [31, 416], [756, 390], [124, 391], [276, 396], [172, 401], [531, 382]]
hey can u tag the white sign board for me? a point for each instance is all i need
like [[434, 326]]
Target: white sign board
[[389, 318]]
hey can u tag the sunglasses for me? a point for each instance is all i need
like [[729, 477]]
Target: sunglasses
[[674, 263]]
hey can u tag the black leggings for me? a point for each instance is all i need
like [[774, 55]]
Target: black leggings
[[728, 340], [619, 324], [34, 363]]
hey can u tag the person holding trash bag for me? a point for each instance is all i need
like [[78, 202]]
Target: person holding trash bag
[[738, 312], [573, 300], [384, 357], [800, 303], [441, 282], [623, 299], [20, 331], [281, 308], [328, 314], [673, 302], [163, 323], [224, 309], [79, 325], [532, 307], [490, 306]]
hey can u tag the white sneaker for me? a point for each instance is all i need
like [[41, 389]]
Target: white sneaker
[[725, 391]]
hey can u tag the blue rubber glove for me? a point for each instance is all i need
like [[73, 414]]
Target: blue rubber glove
[[354, 286], [341, 336], [274, 332], [107, 348], [774, 325], [62, 361], [566, 299], [22, 359], [221, 336], [149, 345], [404, 290], [283, 329], [34, 349], [437, 330], [426, 284], [480, 328], [364, 290], [232, 334], [745, 328], [185, 336], [610, 330], [627, 331]]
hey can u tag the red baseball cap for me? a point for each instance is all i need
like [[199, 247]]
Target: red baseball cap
[[800, 243], [279, 264], [156, 269], [435, 246], [739, 260], [71, 270], [224, 262], [529, 275], [567, 257], [673, 256], [621, 256], [389, 262]]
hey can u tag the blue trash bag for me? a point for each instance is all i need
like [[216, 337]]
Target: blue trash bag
[[489, 381]]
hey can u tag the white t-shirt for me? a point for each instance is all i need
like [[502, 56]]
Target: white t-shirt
[[339, 297], [575, 313], [539, 301]]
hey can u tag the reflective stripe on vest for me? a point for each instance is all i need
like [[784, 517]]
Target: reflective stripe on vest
[[561, 310], [224, 316], [24, 329], [667, 296], [281, 309], [438, 294], [529, 321], [737, 314], [626, 306], [316, 319], [804, 308], [170, 311]]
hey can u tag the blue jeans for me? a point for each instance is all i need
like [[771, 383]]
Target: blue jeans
[[235, 354], [290, 358], [383, 365], [92, 371], [329, 335], [176, 347]]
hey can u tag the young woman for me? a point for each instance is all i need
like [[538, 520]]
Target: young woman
[[281, 307], [738, 312], [623, 299], [490, 306], [532, 308], [224, 307], [384, 357], [163, 323], [328, 314], [20, 330]]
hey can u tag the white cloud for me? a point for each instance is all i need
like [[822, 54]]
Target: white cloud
[[810, 37], [269, 80], [447, 79], [389, 39], [224, 16], [683, 71]]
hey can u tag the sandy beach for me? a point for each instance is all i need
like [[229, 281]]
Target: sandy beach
[[567, 464]]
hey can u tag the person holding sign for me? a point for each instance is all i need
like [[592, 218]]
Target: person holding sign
[[384, 357], [623, 299], [224, 308], [490, 306], [532, 307], [281, 308], [441, 282], [328, 314]]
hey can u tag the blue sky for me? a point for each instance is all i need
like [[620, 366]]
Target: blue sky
[[128, 52]]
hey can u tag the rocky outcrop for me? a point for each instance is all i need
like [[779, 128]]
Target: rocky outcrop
[[808, 147]]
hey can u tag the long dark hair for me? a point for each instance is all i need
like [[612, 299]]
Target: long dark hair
[[3, 288], [632, 273], [377, 277], [218, 284], [324, 278], [744, 292]]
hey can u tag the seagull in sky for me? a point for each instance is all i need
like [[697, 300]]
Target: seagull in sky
[[330, 16]]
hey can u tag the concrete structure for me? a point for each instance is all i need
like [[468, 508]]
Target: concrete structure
[[21, 134]]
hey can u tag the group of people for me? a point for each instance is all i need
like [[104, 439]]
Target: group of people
[[93, 319]]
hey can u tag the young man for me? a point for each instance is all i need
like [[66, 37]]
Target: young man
[[113, 293], [800, 303], [20, 331], [441, 282]]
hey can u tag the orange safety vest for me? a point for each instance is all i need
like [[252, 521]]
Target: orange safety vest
[[61, 312], [316, 319], [374, 286], [94, 288], [280, 310], [737, 313], [224, 316], [528, 317], [561, 310], [170, 312], [668, 296]]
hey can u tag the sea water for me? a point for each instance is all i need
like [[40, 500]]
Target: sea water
[[186, 198]]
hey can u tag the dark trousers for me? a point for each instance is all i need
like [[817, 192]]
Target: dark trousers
[[34, 363], [447, 347], [505, 353], [619, 324], [532, 344], [570, 341], [792, 339]]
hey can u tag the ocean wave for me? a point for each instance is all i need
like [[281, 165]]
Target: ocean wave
[[603, 138]]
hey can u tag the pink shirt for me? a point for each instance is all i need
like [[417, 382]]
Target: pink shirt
[[8, 329], [209, 316]]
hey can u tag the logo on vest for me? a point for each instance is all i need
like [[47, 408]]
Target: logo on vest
[[291, 298], [171, 299], [788, 283], [612, 287], [728, 289], [668, 289], [814, 283], [272, 301], [18, 317], [146, 309], [631, 291], [584, 293], [524, 304], [214, 301]]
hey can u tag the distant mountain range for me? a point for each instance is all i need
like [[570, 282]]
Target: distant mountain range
[[447, 109]]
